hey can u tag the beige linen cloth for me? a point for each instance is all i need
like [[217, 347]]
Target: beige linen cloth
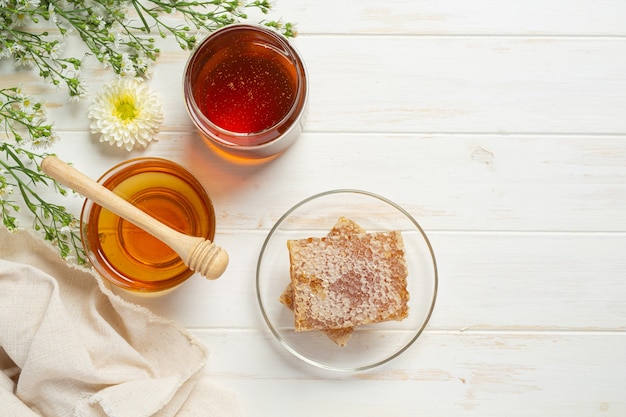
[[69, 347]]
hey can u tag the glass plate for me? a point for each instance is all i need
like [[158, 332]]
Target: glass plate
[[370, 345]]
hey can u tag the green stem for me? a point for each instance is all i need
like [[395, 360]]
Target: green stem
[[50, 218]]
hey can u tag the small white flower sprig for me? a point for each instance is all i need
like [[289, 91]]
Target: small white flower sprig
[[121, 40], [119, 34], [24, 119]]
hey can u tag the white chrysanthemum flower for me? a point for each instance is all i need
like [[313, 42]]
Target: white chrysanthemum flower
[[126, 113]]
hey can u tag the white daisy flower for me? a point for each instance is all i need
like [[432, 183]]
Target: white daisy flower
[[126, 113], [52, 16], [127, 68], [19, 19], [5, 189], [27, 105], [25, 60], [56, 50], [101, 23]]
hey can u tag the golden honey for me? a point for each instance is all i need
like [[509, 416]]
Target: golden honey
[[126, 255]]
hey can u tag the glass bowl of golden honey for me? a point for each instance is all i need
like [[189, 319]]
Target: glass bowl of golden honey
[[129, 257], [246, 90]]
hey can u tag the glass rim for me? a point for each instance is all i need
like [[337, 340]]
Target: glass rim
[[312, 361], [118, 278]]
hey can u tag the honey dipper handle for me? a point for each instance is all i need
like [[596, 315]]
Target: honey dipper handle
[[87, 187], [184, 245]]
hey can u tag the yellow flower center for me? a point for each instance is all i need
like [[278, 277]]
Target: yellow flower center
[[125, 108]]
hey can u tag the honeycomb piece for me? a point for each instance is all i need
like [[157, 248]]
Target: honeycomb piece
[[338, 336], [344, 226], [348, 278]]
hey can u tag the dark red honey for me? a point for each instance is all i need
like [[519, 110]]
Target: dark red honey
[[246, 88]]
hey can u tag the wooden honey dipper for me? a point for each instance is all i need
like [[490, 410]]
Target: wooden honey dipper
[[199, 254]]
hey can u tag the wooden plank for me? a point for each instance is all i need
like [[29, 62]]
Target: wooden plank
[[470, 374], [429, 85], [450, 17], [487, 281], [448, 182], [440, 17], [486, 85]]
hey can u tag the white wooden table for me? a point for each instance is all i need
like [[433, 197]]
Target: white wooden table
[[501, 126]]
